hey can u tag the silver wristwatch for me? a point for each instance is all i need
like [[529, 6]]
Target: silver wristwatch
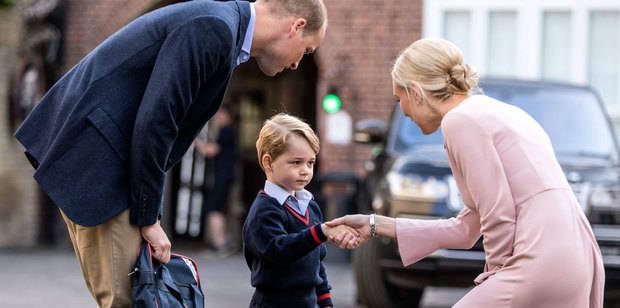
[[373, 226]]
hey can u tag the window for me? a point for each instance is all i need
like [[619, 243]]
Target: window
[[502, 45], [556, 46], [457, 29], [604, 50], [574, 41]]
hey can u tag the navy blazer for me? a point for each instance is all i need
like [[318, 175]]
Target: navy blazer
[[103, 137]]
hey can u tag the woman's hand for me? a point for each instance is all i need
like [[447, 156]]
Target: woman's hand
[[348, 237], [359, 222], [385, 226]]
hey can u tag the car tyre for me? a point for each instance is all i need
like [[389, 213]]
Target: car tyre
[[372, 288]]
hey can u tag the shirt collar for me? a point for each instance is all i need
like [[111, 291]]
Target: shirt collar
[[244, 55], [303, 196]]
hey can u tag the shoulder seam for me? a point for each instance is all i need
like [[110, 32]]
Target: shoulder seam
[[470, 119]]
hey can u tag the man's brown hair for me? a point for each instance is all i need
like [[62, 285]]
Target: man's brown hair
[[313, 11]]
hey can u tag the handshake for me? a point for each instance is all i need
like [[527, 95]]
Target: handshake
[[349, 231]]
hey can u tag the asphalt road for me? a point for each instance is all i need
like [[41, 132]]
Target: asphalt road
[[51, 278]]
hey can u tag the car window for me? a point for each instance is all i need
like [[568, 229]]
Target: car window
[[572, 118], [409, 135]]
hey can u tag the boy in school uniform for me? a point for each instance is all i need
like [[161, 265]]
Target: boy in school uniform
[[283, 235]]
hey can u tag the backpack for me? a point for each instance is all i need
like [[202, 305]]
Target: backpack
[[172, 285]]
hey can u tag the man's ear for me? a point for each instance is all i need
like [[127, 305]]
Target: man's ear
[[299, 25]]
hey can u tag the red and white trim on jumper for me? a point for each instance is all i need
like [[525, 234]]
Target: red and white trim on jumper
[[305, 220], [315, 236], [324, 296]]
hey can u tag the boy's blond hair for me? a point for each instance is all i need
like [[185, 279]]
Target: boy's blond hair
[[273, 136]]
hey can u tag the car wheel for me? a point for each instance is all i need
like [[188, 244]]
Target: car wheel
[[372, 288]]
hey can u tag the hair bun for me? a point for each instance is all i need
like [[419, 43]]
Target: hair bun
[[457, 72], [437, 66], [462, 78]]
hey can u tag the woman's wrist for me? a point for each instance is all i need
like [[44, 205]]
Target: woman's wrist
[[373, 225], [385, 226]]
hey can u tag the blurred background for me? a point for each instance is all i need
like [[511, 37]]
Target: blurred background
[[555, 40], [346, 81]]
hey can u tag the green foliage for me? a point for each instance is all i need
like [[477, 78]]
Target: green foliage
[[6, 3]]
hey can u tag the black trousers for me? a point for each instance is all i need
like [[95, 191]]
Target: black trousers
[[217, 200]]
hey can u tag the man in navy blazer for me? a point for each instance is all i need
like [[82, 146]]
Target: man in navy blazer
[[103, 137]]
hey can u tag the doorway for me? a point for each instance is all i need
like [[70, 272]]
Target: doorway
[[253, 98]]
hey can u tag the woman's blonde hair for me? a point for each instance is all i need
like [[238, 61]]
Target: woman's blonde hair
[[274, 135], [436, 65]]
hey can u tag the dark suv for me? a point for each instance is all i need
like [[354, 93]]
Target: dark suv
[[409, 176]]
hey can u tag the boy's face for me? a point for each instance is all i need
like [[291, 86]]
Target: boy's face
[[293, 169]]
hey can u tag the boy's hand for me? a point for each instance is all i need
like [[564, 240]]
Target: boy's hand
[[359, 222], [350, 238]]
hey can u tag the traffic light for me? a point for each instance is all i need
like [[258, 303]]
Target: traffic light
[[331, 103]]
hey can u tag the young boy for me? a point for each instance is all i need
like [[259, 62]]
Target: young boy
[[283, 235]]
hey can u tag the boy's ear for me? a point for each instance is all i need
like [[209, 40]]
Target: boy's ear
[[266, 161]]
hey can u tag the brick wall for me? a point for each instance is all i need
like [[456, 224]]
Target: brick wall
[[90, 22], [362, 41]]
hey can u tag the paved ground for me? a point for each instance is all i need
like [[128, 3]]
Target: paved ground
[[51, 278]]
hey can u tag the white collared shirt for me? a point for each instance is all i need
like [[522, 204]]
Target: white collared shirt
[[303, 197], [244, 55]]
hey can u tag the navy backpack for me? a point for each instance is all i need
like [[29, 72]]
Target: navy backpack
[[172, 285]]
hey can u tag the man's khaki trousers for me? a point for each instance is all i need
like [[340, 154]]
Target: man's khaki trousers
[[107, 253]]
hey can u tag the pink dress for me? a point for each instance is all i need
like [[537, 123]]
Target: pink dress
[[540, 250]]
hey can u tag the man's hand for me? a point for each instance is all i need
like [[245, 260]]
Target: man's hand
[[207, 149], [348, 237], [359, 222], [159, 241]]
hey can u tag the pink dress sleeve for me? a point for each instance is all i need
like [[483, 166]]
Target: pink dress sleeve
[[418, 238], [472, 151]]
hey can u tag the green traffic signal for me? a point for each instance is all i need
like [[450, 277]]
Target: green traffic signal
[[331, 103]]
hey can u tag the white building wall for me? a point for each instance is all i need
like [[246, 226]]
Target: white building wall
[[583, 68]]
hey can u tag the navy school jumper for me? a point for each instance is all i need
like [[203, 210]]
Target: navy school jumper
[[284, 251]]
